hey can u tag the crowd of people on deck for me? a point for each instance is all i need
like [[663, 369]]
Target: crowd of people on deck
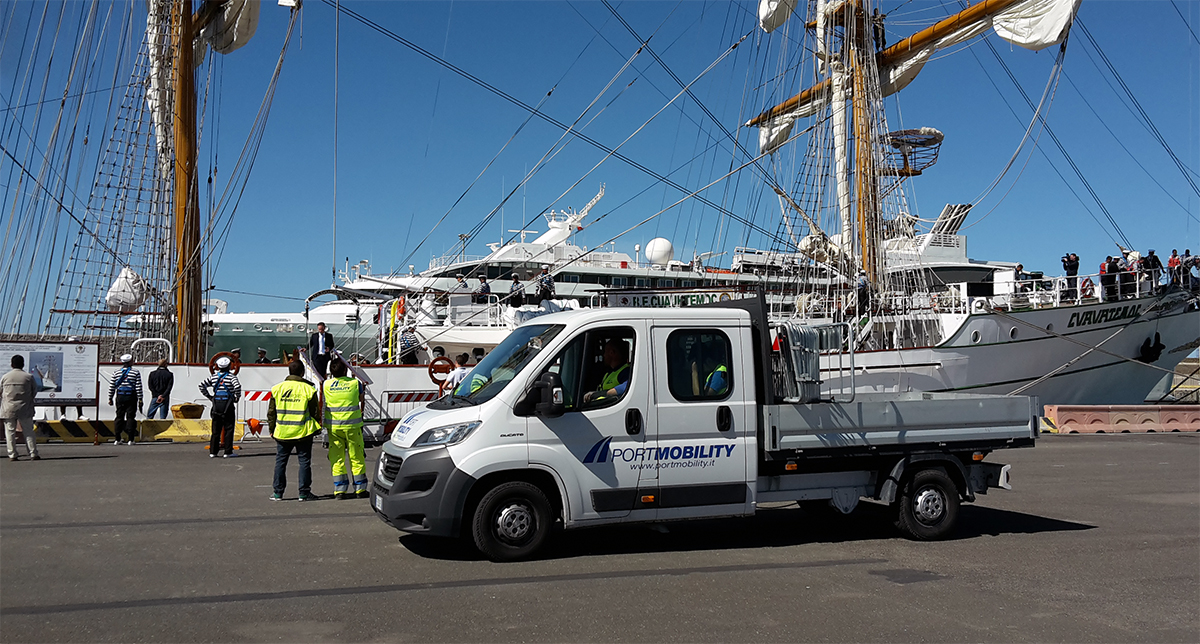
[[1124, 275]]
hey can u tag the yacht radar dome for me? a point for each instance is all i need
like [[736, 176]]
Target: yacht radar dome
[[659, 251]]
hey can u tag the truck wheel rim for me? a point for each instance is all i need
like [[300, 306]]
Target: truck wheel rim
[[514, 522], [929, 506]]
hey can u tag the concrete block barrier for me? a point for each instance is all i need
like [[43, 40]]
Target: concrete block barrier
[[86, 431], [1119, 419]]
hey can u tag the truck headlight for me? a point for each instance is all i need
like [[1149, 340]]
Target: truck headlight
[[447, 434]]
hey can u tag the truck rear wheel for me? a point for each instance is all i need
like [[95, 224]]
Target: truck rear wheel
[[511, 521], [928, 508]]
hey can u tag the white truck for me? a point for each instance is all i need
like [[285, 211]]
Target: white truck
[[609, 415]]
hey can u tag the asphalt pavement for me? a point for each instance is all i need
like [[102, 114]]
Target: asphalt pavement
[[1099, 541]]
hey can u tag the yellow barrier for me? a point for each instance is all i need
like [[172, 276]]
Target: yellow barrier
[[85, 431]]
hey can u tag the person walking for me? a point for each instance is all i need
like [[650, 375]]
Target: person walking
[[226, 391], [125, 388], [545, 285], [1186, 262], [16, 408], [1173, 266], [516, 292], [482, 291], [342, 407], [161, 381], [459, 374], [409, 343], [292, 419], [320, 347], [1153, 267], [1070, 263], [1108, 279]]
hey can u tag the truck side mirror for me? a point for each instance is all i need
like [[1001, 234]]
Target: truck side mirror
[[551, 405]]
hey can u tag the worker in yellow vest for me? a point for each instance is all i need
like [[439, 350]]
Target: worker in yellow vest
[[343, 396], [292, 417], [616, 380]]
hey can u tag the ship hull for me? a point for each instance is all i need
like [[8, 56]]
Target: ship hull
[[1012, 353]]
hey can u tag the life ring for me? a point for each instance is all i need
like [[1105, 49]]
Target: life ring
[[235, 366], [1087, 287], [439, 369]]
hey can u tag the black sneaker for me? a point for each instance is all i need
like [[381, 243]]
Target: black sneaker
[[309, 497], [338, 496], [277, 497], [363, 494]]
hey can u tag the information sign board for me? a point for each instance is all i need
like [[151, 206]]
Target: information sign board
[[64, 373]]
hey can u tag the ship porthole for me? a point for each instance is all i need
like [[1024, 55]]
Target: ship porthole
[[1012, 333], [975, 337], [1049, 327]]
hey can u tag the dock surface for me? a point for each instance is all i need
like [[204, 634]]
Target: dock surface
[[1098, 541]]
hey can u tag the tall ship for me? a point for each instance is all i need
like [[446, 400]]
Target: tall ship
[[843, 245]]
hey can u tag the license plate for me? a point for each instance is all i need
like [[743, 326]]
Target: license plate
[[379, 503]]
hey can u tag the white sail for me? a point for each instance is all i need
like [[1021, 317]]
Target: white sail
[[127, 292], [1037, 24], [773, 13], [159, 96], [233, 27], [1032, 24]]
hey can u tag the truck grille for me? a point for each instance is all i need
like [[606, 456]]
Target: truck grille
[[391, 467]]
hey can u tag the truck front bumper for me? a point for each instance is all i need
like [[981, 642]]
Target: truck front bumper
[[421, 492]]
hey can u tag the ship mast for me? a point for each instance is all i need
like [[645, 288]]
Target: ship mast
[[189, 302], [189, 346], [860, 75], [865, 172]]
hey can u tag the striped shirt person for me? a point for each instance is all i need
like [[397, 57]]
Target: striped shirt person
[[226, 391], [125, 394], [228, 381]]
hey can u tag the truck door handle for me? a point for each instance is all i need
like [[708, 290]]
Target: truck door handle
[[633, 422], [724, 419]]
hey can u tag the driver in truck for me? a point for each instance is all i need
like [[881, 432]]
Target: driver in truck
[[614, 383]]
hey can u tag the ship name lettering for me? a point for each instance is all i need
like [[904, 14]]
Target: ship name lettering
[[1111, 314]]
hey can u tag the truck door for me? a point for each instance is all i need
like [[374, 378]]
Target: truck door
[[599, 447], [701, 394]]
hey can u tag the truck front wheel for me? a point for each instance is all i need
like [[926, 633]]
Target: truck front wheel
[[928, 508], [511, 521]]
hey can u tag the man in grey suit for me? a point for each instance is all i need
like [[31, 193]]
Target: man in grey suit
[[16, 408]]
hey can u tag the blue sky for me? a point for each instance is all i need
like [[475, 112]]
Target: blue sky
[[412, 135]]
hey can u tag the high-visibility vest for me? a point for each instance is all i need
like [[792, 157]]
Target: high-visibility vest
[[292, 419], [612, 378], [342, 410], [724, 387]]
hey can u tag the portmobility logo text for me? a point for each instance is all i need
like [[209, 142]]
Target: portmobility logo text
[[701, 455]]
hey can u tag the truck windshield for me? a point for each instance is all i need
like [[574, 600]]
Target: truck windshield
[[494, 372]]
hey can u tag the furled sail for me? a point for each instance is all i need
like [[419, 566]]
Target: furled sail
[[773, 13], [233, 27], [127, 292], [1032, 24]]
